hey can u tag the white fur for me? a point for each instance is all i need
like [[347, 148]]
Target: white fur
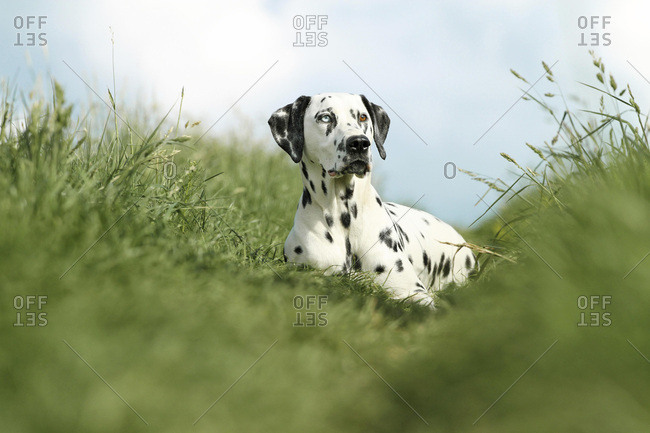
[[405, 274]]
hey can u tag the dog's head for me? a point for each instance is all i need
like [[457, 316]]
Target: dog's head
[[333, 129]]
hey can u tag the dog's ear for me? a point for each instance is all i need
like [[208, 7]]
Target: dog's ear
[[380, 124], [288, 127]]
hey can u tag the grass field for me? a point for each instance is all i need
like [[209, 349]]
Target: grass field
[[169, 307]]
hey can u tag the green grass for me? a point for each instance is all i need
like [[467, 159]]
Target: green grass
[[188, 289]]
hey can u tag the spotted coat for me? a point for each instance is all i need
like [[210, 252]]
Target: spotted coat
[[341, 224]]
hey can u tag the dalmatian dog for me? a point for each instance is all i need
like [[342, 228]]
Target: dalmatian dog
[[341, 224]]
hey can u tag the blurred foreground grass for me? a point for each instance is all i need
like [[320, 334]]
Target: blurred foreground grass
[[188, 290]]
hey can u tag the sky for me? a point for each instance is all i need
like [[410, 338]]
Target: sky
[[440, 69]]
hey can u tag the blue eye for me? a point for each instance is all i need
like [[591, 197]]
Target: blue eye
[[325, 118]]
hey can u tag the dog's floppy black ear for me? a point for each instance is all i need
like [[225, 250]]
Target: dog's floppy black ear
[[380, 123], [288, 127]]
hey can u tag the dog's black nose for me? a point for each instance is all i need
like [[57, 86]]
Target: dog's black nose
[[357, 143]]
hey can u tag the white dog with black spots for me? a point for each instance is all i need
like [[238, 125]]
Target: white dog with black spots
[[341, 224]]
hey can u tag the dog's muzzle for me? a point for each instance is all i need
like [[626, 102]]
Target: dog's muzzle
[[357, 145], [357, 158]]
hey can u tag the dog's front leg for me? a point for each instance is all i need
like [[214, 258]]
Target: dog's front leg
[[395, 272]]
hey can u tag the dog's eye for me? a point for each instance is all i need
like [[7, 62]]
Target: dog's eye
[[325, 118], [363, 117]]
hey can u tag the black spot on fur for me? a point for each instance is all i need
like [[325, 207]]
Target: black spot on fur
[[399, 265], [348, 193], [323, 173], [312, 186], [446, 269], [285, 257], [323, 99], [306, 198], [304, 170], [401, 232], [348, 247], [328, 236], [468, 262], [427, 261], [353, 209], [356, 263], [323, 187], [411, 259], [345, 219], [332, 124], [329, 220], [379, 269], [384, 236], [298, 250], [378, 200], [442, 262]]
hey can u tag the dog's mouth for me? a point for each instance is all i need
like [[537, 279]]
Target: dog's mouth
[[357, 167]]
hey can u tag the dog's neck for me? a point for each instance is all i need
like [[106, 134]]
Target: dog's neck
[[333, 193]]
